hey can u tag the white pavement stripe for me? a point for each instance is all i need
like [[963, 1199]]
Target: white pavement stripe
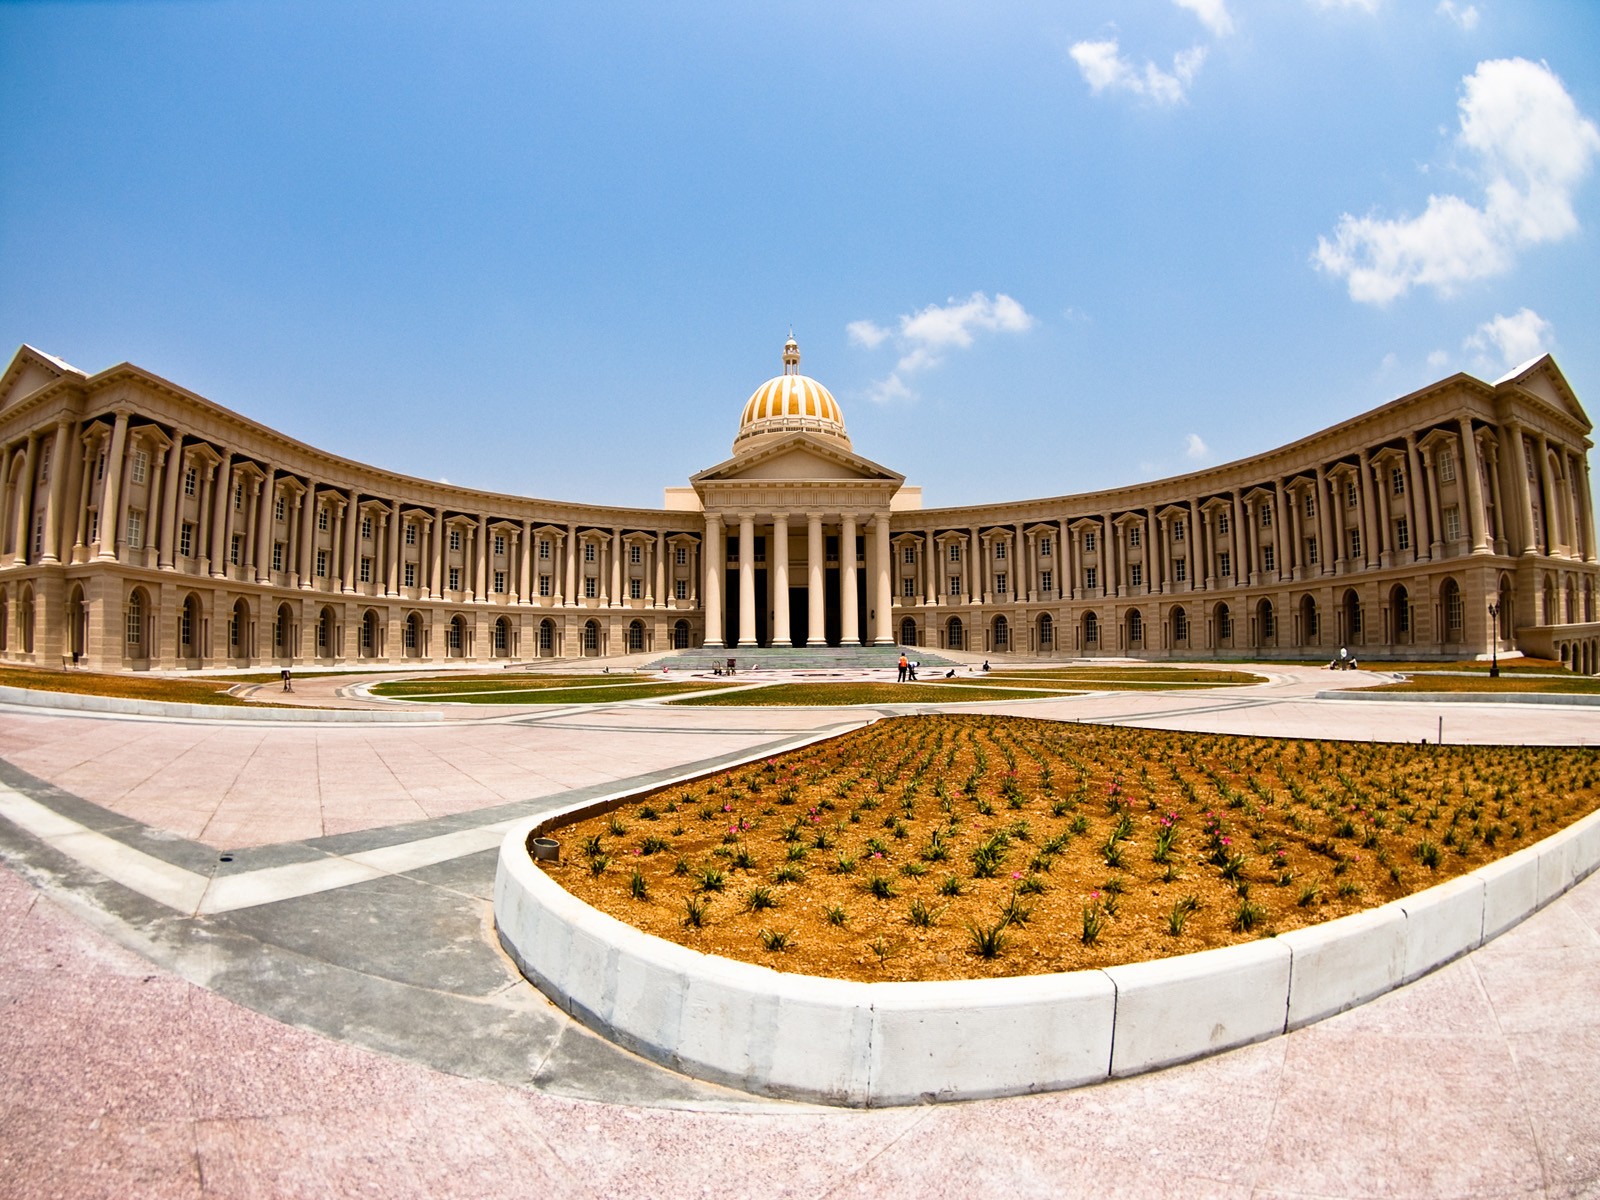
[[408, 856], [271, 884], [149, 876]]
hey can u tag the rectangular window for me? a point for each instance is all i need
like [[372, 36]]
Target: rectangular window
[[409, 635], [94, 527], [322, 564], [322, 519], [635, 589], [499, 583], [1452, 524], [1397, 481], [955, 551], [1177, 530], [236, 549], [1355, 543], [141, 466], [455, 539], [135, 537], [100, 467], [1000, 551], [1266, 516], [1447, 467], [411, 575], [366, 529], [1046, 582], [455, 579], [38, 535], [544, 550], [909, 555], [1180, 626], [186, 539], [1180, 569], [1402, 534], [1044, 547], [1000, 583], [1225, 564], [680, 555], [411, 533], [635, 555], [955, 586], [277, 556], [591, 587], [1350, 495], [452, 637], [588, 552], [1311, 551], [908, 587], [1311, 505], [1269, 558], [1224, 522], [680, 589], [44, 462], [191, 480], [499, 543], [544, 585], [1136, 574], [322, 636], [278, 508], [135, 624], [1088, 540], [1091, 577], [366, 570], [238, 497], [1134, 536]]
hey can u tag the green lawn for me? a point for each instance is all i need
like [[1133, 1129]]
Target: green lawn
[[1126, 678], [1577, 685], [804, 695], [409, 689], [614, 693], [128, 687]]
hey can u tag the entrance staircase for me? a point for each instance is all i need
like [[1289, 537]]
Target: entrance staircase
[[797, 658]]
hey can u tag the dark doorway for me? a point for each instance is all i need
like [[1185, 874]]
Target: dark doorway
[[799, 615]]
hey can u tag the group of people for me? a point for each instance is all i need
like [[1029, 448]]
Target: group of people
[[908, 670], [1344, 662]]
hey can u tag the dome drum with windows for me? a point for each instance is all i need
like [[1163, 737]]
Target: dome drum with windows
[[789, 403]]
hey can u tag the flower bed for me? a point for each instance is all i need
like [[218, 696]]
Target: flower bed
[[954, 847]]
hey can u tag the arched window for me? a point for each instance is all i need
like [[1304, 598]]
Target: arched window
[[135, 624], [908, 632], [680, 635], [1047, 632], [1267, 620], [1352, 614], [455, 637], [1224, 623], [502, 637], [325, 632], [591, 637], [635, 636], [25, 618], [369, 633], [547, 637], [1454, 613], [1310, 625], [280, 631], [189, 625], [1091, 629], [1400, 607], [1002, 633], [413, 635], [1180, 625], [953, 633], [1135, 628]]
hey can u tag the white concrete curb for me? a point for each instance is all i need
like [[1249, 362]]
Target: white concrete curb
[[119, 705], [870, 1044]]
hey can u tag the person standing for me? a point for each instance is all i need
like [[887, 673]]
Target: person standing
[[901, 678]]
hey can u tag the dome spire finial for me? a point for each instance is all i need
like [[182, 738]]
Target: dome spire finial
[[791, 355]]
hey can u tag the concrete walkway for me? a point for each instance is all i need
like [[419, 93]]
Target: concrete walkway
[[260, 962]]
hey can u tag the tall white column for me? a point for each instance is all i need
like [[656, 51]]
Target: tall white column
[[659, 597], [747, 579], [713, 581], [111, 507], [617, 597], [884, 634], [816, 611], [1469, 465], [850, 612], [778, 573]]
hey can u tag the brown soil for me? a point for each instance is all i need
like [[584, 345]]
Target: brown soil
[[1270, 835]]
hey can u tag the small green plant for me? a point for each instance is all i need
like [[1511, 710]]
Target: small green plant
[[694, 911], [681, 867], [1093, 921], [759, 898], [789, 873], [845, 864], [598, 865], [617, 826], [921, 914], [648, 813], [1112, 853], [1248, 915], [987, 941], [592, 846], [637, 887], [1427, 854], [796, 854], [951, 886], [1031, 885], [1014, 912], [914, 870], [776, 940], [712, 879], [1308, 895], [1179, 915], [836, 915], [654, 845], [884, 949], [881, 886]]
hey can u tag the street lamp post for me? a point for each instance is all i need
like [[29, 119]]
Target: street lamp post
[[1494, 640]]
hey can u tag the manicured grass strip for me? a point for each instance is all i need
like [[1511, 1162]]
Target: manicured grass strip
[[1112, 679], [127, 687], [1515, 666], [1575, 685], [498, 683], [804, 695], [611, 693]]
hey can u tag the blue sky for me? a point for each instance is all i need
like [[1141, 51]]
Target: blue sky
[[1031, 248]]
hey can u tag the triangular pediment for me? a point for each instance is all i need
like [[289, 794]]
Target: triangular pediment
[[799, 458], [31, 370], [1543, 379]]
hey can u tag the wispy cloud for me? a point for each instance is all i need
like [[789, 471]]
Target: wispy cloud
[[1532, 149], [1195, 449], [1517, 338], [1106, 69], [1370, 6], [1464, 15], [925, 336], [1213, 15]]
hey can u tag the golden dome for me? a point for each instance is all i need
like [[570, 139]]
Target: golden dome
[[789, 403]]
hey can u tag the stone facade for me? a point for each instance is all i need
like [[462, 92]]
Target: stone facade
[[144, 526]]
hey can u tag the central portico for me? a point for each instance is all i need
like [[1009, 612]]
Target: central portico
[[798, 551]]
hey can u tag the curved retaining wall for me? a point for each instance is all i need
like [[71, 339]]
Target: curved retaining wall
[[121, 705], [838, 1042]]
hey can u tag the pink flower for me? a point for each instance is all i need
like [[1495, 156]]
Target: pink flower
[[1016, 874]]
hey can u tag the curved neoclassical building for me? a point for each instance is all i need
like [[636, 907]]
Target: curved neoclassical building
[[147, 527]]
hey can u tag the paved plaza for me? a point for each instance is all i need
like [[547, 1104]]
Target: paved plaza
[[253, 958]]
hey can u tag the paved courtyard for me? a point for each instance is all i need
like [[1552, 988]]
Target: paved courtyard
[[257, 959]]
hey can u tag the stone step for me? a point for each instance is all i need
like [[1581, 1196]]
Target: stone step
[[798, 658]]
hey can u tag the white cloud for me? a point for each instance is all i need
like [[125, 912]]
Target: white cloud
[[1370, 6], [1105, 69], [1213, 15], [1439, 359], [1464, 15], [1194, 448], [1533, 148], [1517, 338], [924, 336], [866, 333]]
